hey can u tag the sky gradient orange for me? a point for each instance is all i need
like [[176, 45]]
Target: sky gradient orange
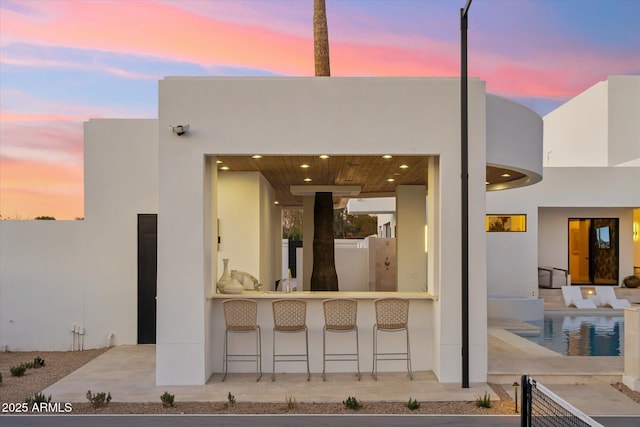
[[63, 62]]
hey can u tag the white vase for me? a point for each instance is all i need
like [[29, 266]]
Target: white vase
[[225, 278], [233, 287]]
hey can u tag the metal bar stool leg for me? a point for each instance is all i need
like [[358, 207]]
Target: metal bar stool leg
[[259, 358], [306, 338], [357, 354], [409, 357], [324, 352], [273, 369], [374, 371], [226, 355]]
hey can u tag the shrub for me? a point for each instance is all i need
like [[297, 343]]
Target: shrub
[[484, 401], [167, 399], [291, 402], [38, 398], [231, 398], [99, 399], [412, 404], [352, 403], [17, 371], [38, 362]]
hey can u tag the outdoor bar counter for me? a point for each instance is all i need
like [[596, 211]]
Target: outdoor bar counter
[[421, 333]]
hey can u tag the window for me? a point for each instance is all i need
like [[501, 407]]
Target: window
[[506, 223]]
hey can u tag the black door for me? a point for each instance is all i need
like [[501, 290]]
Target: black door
[[147, 273]]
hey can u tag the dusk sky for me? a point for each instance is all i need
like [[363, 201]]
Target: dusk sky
[[64, 62]]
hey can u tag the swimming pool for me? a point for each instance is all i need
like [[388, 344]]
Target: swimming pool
[[581, 335]]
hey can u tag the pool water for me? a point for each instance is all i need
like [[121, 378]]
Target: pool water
[[581, 335]]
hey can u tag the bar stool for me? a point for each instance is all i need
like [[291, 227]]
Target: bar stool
[[340, 315], [392, 315], [240, 316], [289, 316]]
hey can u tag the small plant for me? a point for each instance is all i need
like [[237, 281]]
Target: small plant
[[412, 404], [99, 399], [38, 398], [167, 399], [484, 401], [291, 402], [18, 371], [231, 399], [352, 403], [38, 362]]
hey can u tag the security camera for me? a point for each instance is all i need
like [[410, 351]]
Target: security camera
[[180, 129]]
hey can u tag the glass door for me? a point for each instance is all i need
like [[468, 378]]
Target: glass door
[[593, 251]]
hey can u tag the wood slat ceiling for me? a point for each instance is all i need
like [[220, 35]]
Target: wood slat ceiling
[[370, 172]]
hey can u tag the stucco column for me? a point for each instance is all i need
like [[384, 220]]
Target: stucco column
[[411, 207]]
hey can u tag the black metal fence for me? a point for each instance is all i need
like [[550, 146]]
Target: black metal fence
[[542, 407]]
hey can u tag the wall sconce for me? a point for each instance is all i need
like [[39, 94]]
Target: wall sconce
[[180, 129], [635, 231]]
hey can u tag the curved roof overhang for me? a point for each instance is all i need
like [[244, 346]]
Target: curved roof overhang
[[514, 144]]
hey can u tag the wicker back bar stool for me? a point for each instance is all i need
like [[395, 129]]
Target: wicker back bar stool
[[392, 315], [241, 316], [290, 316], [340, 315]]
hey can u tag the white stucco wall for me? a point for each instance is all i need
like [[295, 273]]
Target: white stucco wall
[[624, 119], [599, 127], [41, 283], [121, 181], [339, 116], [83, 272]]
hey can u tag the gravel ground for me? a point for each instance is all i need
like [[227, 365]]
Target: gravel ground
[[60, 364]]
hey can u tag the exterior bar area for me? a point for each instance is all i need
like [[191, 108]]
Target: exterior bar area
[[421, 312]]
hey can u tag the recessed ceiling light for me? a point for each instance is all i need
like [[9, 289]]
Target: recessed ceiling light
[[487, 182], [505, 175], [225, 168], [390, 180], [387, 156], [218, 161], [324, 156], [307, 180], [256, 156], [404, 166], [304, 166], [276, 202]]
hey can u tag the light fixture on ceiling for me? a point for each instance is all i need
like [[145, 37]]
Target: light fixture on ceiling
[[505, 175], [224, 168], [304, 166], [276, 202], [387, 156], [307, 180], [487, 183], [324, 156], [256, 156], [404, 166], [390, 180], [218, 161], [180, 129]]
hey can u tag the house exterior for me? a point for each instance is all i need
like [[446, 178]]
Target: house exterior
[[88, 271]]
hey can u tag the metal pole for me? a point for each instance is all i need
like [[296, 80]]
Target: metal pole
[[464, 176]]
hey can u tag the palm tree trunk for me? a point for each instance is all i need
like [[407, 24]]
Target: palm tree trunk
[[324, 276], [320, 39]]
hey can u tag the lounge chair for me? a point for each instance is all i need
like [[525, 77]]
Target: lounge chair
[[573, 297], [608, 297]]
